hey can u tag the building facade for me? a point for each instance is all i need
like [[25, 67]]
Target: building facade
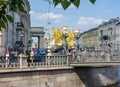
[[39, 33], [90, 39], [80, 41], [16, 36], [118, 36], [107, 32]]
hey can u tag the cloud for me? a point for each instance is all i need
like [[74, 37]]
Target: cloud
[[32, 12], [89, 21], [59, 6], [44, 16]]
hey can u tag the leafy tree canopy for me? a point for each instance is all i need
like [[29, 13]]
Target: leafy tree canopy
[[13, 5], [66, 3]]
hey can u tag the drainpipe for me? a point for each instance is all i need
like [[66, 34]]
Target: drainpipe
[[13, 33]]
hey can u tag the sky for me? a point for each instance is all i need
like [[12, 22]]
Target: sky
[[86, 17]]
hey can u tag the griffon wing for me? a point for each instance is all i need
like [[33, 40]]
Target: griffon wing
[[57, 36], [70, 39]]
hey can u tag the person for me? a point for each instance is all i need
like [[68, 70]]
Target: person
[[73, 51], [32, 56], [49, 59], [16, 54], [7, 58], [27, 52], [20, 59]]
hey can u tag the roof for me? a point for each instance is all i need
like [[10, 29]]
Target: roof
[[37, 29], [90, 30]]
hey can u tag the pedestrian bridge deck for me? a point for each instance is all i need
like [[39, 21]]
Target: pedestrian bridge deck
[[95, 64], [72, 60], [95, 59]]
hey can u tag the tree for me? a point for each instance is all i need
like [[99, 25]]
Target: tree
[[11, 5], [66, 3]]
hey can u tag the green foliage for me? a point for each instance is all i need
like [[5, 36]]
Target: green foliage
[[76, 3], [66, 3], [9, 17], [14, 5], [2, 24], [92, 1]]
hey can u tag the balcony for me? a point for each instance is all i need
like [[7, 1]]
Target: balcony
[[20, 26]]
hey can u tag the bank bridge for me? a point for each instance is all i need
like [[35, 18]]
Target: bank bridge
[[83, 59]]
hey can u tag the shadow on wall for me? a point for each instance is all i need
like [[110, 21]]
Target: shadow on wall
[[97, 77]]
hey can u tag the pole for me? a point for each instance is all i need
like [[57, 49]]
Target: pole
[[6, 61], [20, 56]]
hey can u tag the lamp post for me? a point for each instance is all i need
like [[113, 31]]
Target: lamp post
[[21, 37], [0, 42], [77, 36], [65, 29]]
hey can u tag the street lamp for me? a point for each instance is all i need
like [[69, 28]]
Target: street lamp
[[65, 30], [21, 36], [77, 33]]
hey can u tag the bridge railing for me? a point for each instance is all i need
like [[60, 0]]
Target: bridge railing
[[45, 61], [9, 62], [95, 57], [60, 60], [41, 61]]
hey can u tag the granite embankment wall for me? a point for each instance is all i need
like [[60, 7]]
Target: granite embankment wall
[[58, 77]]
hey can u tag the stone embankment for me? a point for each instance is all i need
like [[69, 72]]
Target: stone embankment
[[58, 77]]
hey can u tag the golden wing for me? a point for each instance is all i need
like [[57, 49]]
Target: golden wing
[[70, 39], [57, 36], [60, 34], [54, 33], [58, 39], [58, 42]]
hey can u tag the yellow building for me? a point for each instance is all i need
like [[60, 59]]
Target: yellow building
[[90, 39]]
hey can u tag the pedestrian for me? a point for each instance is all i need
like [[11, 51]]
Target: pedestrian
[[32, 56], [7, 58], [73, 51], [49, 59]]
